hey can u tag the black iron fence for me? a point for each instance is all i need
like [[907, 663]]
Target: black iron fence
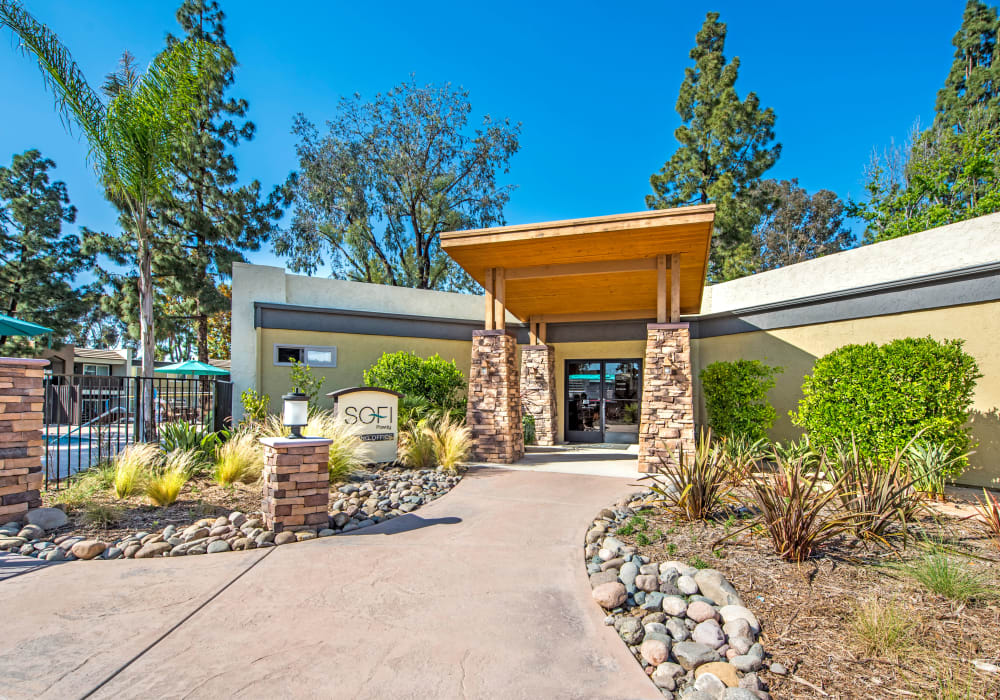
[[89, 419]]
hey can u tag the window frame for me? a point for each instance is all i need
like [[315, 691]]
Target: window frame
[[332, 349]]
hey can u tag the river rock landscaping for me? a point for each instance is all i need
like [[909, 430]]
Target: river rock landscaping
[[688, 628], [712, 615], [204, 521]]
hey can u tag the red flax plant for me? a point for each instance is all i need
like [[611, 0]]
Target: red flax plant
[[798, 509], [988, 511], [693, 485]]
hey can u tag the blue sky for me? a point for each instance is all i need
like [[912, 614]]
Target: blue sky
[[594, 83]]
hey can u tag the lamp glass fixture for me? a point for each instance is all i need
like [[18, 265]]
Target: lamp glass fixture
[[295, 412]]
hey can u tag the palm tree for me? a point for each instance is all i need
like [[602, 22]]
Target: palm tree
[[132, 136]]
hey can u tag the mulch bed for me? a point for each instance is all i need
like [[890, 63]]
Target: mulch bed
[[807, 609], [200, 498]]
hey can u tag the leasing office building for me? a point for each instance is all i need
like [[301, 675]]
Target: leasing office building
[[599, 327]]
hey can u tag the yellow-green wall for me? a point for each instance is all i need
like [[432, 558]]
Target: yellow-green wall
[[796, 349], [355, 354], [610, 350]]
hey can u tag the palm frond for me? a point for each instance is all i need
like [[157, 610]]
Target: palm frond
[[76, 101]]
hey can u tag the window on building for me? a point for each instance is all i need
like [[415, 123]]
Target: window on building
[[96, 370], [312, 355]]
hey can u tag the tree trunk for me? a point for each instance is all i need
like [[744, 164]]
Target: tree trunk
[[202, 336], [146, 329]]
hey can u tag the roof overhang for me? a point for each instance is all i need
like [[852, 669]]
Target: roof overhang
[[602, 266]]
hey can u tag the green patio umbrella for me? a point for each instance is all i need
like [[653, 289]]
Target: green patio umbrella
[[191, 367], [12, 326]]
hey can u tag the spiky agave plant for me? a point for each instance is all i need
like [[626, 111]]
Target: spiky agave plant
[[988, 514]]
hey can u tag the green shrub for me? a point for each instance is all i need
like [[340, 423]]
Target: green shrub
[[528, 426], [255, 406], [884, 396], [302, 380], [736, 398], [433, 381]]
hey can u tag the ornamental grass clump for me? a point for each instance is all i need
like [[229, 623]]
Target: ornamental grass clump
[[240, 459], [693, 485], [132, 467], [944, 576], [416, 446], [165, 485], [348, 453], [799, 510], [882, 630], [452, 443]]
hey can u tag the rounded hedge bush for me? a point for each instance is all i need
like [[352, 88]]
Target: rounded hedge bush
[[883, 396], [736, 398], [434, 381]]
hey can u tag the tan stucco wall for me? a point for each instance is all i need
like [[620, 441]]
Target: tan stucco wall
[[610, 350], [796, 349], [355, 354]]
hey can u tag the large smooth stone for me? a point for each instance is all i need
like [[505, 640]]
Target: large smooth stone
[[721, 670], [154, 549], [709, 633], [47, 518], [713, 584], [691, 655], [631, 631], [88, 549], [665, 676], [610, 595], [655, 651], [731, 613], [699, 611]]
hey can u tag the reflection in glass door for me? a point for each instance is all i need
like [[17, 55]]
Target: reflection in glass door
[[602, 400]]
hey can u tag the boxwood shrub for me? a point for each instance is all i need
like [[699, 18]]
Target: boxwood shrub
[[736, 398], [883, 395], [433, 381]]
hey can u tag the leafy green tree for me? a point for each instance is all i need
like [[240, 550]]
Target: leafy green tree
[[38, 259], [726, 145], [796, 226], [974, 78], [946, 174], [209, 219], [373, 195], [133, 136]]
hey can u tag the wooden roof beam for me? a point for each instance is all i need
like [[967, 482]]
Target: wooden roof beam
[[533, 272]]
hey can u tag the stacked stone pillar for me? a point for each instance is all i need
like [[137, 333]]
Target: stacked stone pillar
[[538, 390], [21, 400], [667, 417], [296, 483], [494, 407]]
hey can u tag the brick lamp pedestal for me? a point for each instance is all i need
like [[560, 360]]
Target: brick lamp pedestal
[[21, 397], [296, 483]]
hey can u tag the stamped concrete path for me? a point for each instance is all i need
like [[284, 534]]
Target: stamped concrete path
[[481, 594]]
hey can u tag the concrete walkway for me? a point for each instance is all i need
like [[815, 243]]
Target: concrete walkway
[[481, 594], [594, 460]]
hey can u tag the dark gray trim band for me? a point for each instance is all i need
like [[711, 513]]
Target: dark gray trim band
[[973, 285], [311, 318]]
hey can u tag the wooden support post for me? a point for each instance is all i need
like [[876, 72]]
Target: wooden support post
[[541, 333], [490, 305], [675, 288], [500, 291], [532, 331], [661, 288]]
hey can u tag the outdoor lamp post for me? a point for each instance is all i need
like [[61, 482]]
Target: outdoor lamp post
[[296, 412]]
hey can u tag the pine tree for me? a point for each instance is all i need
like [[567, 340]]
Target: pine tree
[[974, 78], [38, 259], [726, 145], [209, 221]]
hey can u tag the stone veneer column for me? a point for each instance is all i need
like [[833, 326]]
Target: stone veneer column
[[667, 421], [538, 390], [494, 409], [21, 401], [296, 483]]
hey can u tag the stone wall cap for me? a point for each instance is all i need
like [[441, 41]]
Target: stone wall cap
[[23, 362], [295, 442], [488, 333], [667, 326]]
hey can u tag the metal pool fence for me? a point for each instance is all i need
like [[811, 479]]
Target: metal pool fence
[[89, 419]]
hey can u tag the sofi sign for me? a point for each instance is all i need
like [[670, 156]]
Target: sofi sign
[[374, 414]]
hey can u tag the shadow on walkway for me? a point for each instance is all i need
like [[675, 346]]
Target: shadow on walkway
[[12, 565], [404, 523]]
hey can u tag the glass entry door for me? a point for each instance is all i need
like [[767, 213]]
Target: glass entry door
[[602, 400]]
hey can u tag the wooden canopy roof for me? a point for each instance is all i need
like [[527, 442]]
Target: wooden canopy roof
[[600, 268]]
